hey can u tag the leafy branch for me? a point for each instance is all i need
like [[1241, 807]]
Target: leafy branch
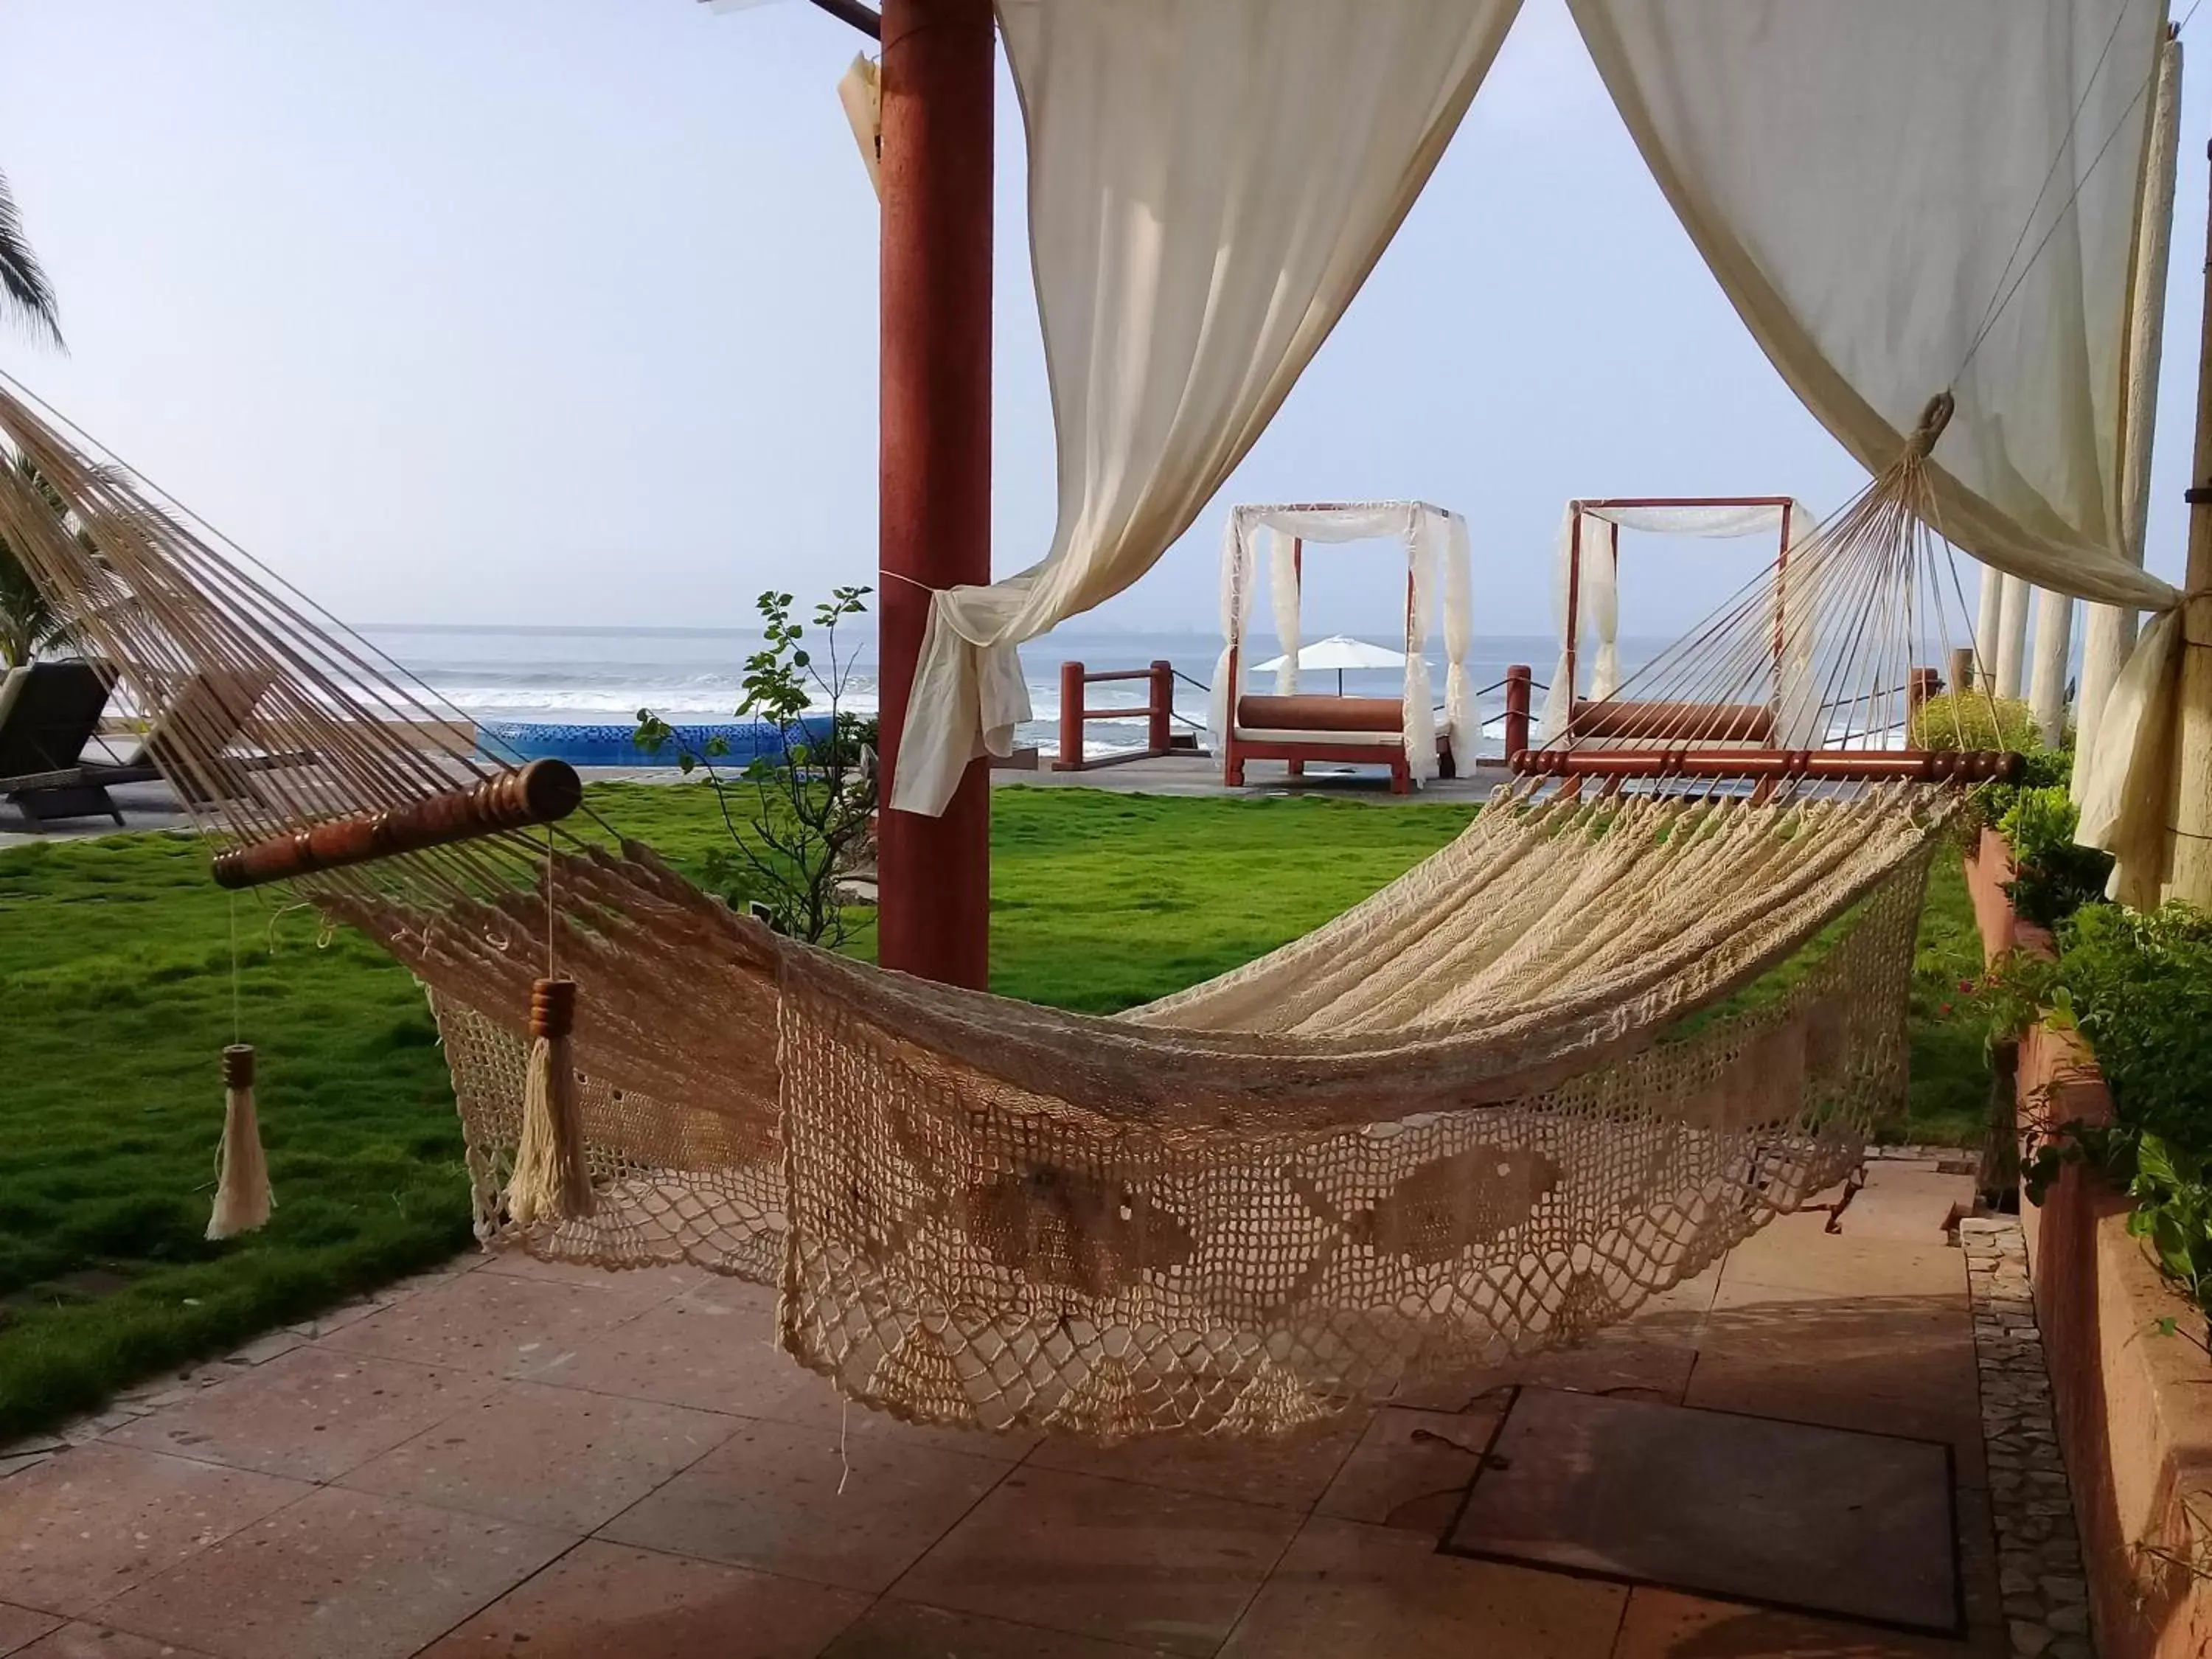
[[798, 817]]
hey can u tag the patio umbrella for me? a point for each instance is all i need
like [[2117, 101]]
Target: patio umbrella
[[1341, 652]]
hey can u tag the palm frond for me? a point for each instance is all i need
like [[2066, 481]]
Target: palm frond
[[22, 279]]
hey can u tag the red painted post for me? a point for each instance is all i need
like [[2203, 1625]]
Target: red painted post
[[1160, 738], [939, 68], [1517, 680], [1070, 758]]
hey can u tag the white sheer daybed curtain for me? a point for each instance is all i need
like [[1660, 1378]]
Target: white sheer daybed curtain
[[1906, 197], [1210, 183], [1597, 595], [1433, 544]]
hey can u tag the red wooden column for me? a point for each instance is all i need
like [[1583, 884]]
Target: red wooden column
[[935, 515]]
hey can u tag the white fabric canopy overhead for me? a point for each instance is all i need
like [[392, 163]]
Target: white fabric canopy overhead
[[1209, 187], [1433, 541], [1597, 598], [1906, 197]]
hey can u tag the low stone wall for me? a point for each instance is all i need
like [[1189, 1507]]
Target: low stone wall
[[2134, 1405]]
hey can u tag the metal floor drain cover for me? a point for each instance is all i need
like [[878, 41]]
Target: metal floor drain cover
[[1747, 1508]]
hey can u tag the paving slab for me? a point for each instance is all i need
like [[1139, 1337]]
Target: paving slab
[[338, 1575], [1350, 1591], [20, 1626], [1412, 1468], [494, 1324], [782, 1499], [94, 1521], [603, 1601], [310, 1414], [1715, 1502], [906, 1630], [83, 1641], [1138, 1564], [550, 1457]]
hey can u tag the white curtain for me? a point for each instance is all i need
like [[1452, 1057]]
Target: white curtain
[[1238, 567], [1283, 585], [1210, 183], [2108, 632], [1424, 552], [1461, 717], [1907, 196]]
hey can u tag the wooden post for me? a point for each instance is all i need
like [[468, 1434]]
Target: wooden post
[[1070, 758], [1962, 669], [1518, 683], [2191, 875], [938, 75], [1161, 737], [1920, 685]]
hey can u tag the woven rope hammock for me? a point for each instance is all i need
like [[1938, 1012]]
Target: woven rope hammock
[[1558, 1067]]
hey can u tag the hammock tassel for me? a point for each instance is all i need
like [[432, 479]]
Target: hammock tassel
[[551, 1181], [242, 1202]]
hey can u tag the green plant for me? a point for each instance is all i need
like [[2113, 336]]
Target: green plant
[[2039, 768], [23, 282], [802, 813], [1974, 720], [2053, 875], [29, 624]]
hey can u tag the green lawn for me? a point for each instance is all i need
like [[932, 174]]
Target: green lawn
[[115, 976]]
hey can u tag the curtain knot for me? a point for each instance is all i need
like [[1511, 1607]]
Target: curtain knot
[[1933, 420]]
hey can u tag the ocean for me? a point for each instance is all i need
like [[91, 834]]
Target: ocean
[[605, 675]]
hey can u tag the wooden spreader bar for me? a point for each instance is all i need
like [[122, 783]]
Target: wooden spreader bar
[[1873, 765], [541, 793]]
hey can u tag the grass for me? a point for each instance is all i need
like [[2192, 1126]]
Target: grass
[[115, 977]]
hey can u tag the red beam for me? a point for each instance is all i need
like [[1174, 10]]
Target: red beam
[[935, 874]]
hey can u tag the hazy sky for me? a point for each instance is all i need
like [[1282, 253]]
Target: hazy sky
[[563, 311]]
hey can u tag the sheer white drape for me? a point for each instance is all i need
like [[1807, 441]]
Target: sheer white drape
[[1238, 568], [1902, 198], [2108, 632], [1597, 591], [1425, 553], [1282, 585], [1210, 183], [1461, 717], [1432, 546]]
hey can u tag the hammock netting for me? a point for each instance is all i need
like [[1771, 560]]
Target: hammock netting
[[1557, 1068]]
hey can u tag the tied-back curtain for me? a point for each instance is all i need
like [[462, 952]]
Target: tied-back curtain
[[1461, 717], [1210, 183]]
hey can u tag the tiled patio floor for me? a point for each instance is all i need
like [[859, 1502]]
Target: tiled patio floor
[[511, 1459]]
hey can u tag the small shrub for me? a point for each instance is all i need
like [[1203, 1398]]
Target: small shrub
[[2054, 876], [1974, 721], [2137, 987]]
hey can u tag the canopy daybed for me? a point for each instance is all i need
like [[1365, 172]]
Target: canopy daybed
[[1400, 732], [1774, 709]]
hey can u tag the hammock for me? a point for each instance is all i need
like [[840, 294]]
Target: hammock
[[1557, 1068]]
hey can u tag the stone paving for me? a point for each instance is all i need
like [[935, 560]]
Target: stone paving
[[506, 1458], [2046, 1599]]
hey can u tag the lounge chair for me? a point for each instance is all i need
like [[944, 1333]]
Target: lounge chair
[[51, 710]]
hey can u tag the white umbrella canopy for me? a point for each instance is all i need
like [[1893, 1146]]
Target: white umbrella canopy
[[1341, 652]]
